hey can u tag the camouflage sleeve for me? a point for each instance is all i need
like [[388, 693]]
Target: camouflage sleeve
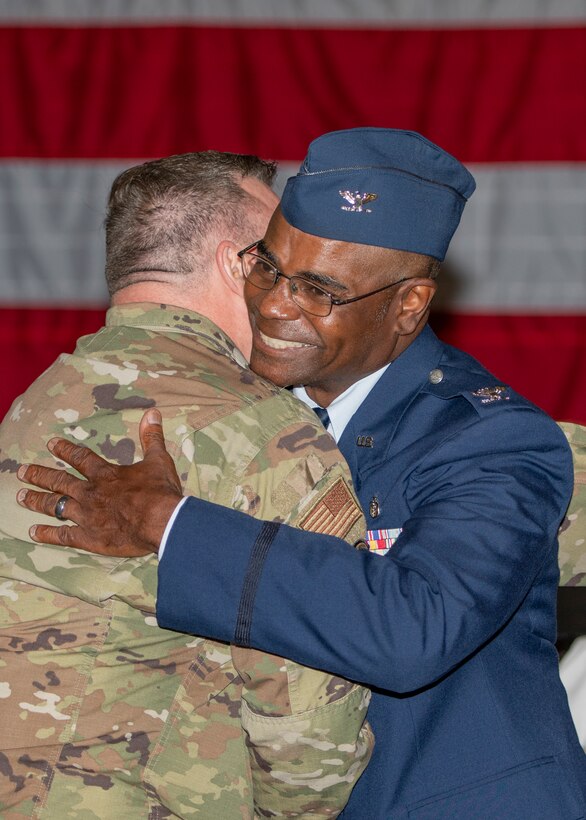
[[306, 731], [572, 556]]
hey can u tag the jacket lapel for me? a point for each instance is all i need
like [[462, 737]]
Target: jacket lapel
[[368, 436]]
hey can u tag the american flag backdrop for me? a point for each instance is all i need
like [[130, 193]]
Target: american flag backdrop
[[88, 88]]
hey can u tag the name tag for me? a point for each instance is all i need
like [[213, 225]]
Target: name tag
[[380, 541]]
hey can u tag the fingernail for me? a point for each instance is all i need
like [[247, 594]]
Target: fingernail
[[21, 471], [153, 416], [20, 496], [33, 531], [51, 444]]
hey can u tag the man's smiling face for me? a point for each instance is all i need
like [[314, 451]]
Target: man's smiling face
[[328, 354]]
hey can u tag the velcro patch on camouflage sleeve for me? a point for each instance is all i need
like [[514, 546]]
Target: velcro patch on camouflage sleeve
[[334, 512]]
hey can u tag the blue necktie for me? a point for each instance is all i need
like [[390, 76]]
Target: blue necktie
[[322, 415]]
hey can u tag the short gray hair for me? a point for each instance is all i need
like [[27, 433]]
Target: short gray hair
[[160, 213]]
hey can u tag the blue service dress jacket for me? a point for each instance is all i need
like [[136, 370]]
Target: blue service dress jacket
[[453, 628]]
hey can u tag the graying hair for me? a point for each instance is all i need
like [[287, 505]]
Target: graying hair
[[160, 213]]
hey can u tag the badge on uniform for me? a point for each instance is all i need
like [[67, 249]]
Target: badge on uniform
[[357, 201], [334, 513], [488, 395], [380, 541]]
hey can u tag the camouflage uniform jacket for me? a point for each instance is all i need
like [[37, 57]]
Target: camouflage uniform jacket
[[572, 538], [102, 712]]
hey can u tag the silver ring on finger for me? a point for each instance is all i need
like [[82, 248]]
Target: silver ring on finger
[[60, 507]]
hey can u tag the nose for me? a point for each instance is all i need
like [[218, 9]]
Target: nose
[[277, 303]]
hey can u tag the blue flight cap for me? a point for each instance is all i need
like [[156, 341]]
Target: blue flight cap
[[379, 186]]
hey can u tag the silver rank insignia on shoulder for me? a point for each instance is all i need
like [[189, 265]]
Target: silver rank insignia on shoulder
[[490, 394], [357, 201], [374, 507], [365, 441]]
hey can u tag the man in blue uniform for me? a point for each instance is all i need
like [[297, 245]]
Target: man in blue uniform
[[447, 608]]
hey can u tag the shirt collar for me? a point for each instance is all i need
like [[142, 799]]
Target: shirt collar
[[171, 319], [346, 404]]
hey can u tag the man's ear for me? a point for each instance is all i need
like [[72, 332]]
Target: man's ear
[[415, 301], [229, 266]]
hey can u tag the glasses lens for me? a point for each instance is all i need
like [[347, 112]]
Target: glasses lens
[[310, 298], [262, 274], [258, 271]]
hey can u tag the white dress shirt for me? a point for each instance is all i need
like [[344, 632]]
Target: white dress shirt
[[346, 404]]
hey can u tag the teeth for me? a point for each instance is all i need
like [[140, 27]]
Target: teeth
[[279, 344]]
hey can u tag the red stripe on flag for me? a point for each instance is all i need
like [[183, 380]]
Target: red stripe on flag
[[487, 95], [31, 340], [517, 349]]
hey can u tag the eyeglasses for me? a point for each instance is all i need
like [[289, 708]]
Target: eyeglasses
[[309, 297]]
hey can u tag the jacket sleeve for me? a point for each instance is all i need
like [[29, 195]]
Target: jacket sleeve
[[307, 735], [573, 530], [484, 506]]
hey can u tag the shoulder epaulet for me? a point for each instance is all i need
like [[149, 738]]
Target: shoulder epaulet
[[479, 387]]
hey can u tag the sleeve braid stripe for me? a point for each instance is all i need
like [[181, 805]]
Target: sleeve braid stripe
[[251, 580]]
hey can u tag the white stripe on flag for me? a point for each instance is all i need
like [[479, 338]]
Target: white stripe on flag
[[294, 12], [521, 245]]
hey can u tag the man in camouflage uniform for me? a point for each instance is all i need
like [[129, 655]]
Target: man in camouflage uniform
[[102, 712]]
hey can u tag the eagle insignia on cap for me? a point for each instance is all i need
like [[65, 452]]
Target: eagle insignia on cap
[[489, 394], [357, 201]]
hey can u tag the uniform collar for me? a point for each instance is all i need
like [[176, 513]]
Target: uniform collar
[[346, 404], [377, 417], [170, 319]]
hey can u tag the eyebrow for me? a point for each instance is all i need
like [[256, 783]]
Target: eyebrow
[[318, 278]]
